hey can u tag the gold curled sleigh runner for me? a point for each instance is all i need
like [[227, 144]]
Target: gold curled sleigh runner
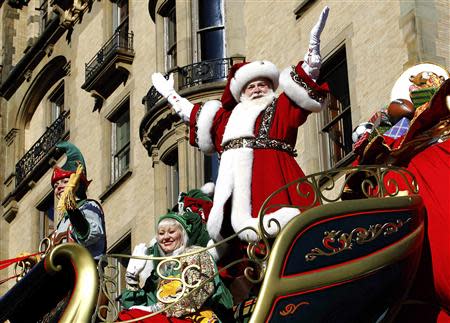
[[326, 190]]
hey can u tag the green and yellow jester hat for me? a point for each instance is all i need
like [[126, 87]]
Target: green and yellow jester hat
[[74, 158]]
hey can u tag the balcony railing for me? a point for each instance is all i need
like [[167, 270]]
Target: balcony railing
[[41, 148], [121, 40], [196, 74], [204, 72]]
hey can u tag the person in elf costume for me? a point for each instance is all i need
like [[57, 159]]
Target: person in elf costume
[[79, 219], [254, 131], [181, 231], [423, 147]]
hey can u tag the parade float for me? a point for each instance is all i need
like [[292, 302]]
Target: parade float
[[357, 253]]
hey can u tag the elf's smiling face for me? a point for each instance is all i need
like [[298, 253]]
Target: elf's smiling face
[[59, 187], [170, 237]]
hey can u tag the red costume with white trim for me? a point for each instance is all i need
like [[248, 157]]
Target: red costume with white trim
[[255, 135], [257, 149]]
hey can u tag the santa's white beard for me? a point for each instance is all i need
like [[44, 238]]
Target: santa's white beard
[[243, 117], [264, 100]]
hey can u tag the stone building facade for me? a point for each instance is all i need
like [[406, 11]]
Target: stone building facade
[[80, 70]]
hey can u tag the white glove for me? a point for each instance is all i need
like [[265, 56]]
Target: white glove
[[135, 266], [165, 87], [312, 60]]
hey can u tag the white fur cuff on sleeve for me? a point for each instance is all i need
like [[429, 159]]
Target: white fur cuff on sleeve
[[204, 124], [297, 93]]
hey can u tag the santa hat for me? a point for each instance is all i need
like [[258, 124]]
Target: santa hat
[[74, 158], [401, 89], [241, 74]]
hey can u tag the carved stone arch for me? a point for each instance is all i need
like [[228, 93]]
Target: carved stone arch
[[53, 72]]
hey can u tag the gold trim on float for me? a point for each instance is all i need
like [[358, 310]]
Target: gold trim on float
[[292, 308], [359, 235], [84, 295], [265, 261], [273, 286]]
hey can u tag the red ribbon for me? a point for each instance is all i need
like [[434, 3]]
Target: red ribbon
[[8, 262]]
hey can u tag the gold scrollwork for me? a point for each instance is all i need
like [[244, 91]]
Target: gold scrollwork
[[22, 267], [317, 189], [106, 304], [373, 181], [335, 241], [292, 308]]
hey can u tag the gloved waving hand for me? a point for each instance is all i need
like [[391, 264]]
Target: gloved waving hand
[[165, 87], [135, 266], [312, 60]]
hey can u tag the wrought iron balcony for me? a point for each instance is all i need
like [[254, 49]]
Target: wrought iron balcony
[[41, 148], [204, 72], [195, 74], [109, 67]]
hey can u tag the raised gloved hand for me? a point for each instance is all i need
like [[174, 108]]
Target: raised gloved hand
[[312, 60], [165, 87], [135, 266], [162, 85]]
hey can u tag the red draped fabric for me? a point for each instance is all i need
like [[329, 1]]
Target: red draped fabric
[[159, 318], [431, 169]]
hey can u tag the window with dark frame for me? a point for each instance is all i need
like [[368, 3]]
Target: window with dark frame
[[122, 247], [56, 102], [46, 216], [120, 141], [170, 30], [337, 121], [210, 31], [211, 168], [172, 177], [43, 9], [121, 21], [120, 14]]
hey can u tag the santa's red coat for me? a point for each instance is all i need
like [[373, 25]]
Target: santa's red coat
[[248, 176]]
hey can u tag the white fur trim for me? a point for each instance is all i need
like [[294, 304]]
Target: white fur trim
[[297, 93], [400, 89], [223, 190], [283, 216], [204, 124], [251, 71], [243, 118], [208, 188], [235, 171]]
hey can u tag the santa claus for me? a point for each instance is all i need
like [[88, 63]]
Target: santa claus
[[254, 131]]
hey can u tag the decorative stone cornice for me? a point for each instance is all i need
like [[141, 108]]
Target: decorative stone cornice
[[10, 211], [72, 15]]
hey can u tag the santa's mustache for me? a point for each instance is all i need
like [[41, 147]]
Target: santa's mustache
[[256, 97]]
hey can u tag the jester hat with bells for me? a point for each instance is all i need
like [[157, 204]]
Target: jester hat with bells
[[74, 160]]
